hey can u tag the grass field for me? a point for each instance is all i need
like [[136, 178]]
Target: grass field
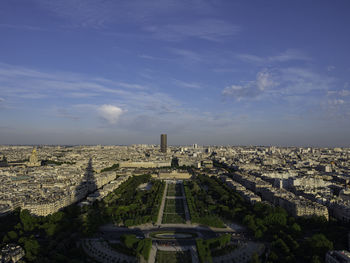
[[174, 206], [174, 190], [173, 257], [174, 211]]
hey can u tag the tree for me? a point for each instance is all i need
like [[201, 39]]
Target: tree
[[50, 228], [129, 240], [296, 229], [57, 217], [255, 258], [315, 259], [248, 220], [12, 235], [319, 244], [281, 246], [31, 247], [5, 239], [273, 257], [258, 234], [276, 218], [27, 220]]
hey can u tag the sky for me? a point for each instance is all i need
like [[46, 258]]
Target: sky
[[211, 72]]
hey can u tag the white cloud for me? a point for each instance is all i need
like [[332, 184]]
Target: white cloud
[[190, 85], [264, 80], [250, 58], [288, 55], [238, 92], [2, 103], [37, 84], [331, 68], [301, 81], [189, 55], [209, 29], [252, 89], [232, 89], [110, 113], [87, 13], [21, 27], [341, 93], [101, 13], [344, 93], [336, 102]]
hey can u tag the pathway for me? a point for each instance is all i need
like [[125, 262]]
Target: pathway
[[194, 254], [242, 254], [102, 252], [192, 249], [152, 254]]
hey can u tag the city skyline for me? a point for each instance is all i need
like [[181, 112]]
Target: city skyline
[[189, 196], [223, 73]]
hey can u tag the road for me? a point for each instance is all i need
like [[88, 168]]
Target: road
[[114, 232]]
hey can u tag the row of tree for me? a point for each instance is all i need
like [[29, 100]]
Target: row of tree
[[53, 238], [45, 239], [206, 247], [140, 247], [114, 167], [130, 206], [127, 205], [290, 238], [201, 207]]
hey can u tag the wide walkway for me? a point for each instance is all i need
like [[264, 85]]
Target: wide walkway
[[242, 254], [100, 251], [192, 249]]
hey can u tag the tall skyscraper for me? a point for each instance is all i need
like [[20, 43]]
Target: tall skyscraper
[[163, 143]]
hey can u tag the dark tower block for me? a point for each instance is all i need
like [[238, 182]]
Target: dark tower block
[[163, 143]]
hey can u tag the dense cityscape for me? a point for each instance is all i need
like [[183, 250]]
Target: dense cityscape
[[174, 131], [193, 203]]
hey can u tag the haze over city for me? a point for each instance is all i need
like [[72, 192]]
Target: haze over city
[[206, 72]]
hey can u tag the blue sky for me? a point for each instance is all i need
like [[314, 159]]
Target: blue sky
[[206, 72]]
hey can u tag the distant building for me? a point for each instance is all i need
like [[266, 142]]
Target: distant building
[[173, 175], [163, 143], [33, 159], [144, 164], [3, 161], [207, 164], [341, 210], [11, 253], [338, 256]]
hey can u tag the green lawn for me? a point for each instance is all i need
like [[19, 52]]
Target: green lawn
[[174, 219], [174, 211], [173, 257], [174, 206], [174, 190]]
